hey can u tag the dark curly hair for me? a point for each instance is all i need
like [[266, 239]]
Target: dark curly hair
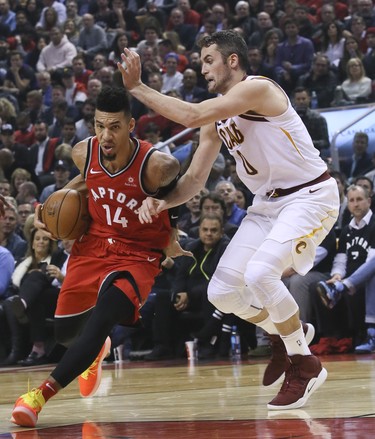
[[113, 100]]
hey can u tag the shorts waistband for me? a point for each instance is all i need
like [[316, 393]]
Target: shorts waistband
[[283, 192]]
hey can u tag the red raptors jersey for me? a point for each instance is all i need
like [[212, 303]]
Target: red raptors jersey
[[114, 200]]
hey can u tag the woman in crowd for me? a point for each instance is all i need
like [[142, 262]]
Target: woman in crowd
[[357, 87], [29, 272]]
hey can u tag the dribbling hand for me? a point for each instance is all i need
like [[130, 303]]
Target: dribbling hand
[[38, 224]]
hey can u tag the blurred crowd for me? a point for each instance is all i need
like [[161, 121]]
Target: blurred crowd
[[54, 59]]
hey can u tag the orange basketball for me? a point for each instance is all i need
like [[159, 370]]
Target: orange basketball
[[65, 214]]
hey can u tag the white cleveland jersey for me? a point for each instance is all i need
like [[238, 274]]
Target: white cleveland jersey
[[271, 152]]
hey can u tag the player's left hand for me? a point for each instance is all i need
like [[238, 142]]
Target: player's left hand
[[130, 69], [150, 207]]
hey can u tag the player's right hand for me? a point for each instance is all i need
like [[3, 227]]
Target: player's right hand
[[39, 224], [3, 203], [150, 207]]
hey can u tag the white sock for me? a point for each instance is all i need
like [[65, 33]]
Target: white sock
[[295, 343], [268, 326]]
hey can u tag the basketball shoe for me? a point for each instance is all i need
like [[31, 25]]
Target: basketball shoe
[[89, 380], [27, 407], [304, 375], [279, 361]]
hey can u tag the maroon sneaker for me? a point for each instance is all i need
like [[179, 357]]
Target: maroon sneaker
[[304, 375], [279, 362]]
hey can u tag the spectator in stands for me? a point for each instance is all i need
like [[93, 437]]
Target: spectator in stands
[[120, 41], [93, 88], [127, 21], [58, 7], [366, 11], [59, 53], [358, 31], [82, 125], [191, 16], [243, 20], [167, 46], [264, 24], [72, 13], [33, 11], [50, 21], [68, 132], [11, 240], [233, 213], [276, 13], [256, 64], [25, 135], [321, 80], [7, 266], [195, 63], [99, 61], [369, 59], [92, 39], [18, 177], [59, 111], [71, 31], [172, 79], [186, 32], [341, 185], [351, 50], [62, 177], [81, 73], [8, 112], [28, 193], [189, 289], [35, 105], [32, 57], [357, 87], [315, 123], [360, 162], [333, 42], [45, 86], [75, 92], [356, 243], [24, 210], [191, 218], [31, 284], [294, 57], [7, 16], [41, 154], [19, 79], [4, 187], [189, 90], [151, 39], [269, 46]]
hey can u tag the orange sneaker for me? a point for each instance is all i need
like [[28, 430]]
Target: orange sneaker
[[27, 407], [90, 430], [89, 380]]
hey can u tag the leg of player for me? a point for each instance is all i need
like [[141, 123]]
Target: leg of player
[[305, 374], [83, 357]]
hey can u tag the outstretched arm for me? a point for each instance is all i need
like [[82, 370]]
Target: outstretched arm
[[259, 95]]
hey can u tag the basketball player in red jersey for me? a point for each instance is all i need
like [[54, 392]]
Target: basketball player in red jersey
[[112, 267]]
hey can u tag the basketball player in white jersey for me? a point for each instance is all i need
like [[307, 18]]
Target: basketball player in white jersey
[[296, 202]]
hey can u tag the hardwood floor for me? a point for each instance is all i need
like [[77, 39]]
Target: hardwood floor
[[183, 400]]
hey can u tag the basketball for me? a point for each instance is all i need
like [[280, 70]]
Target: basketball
[[65, 214]]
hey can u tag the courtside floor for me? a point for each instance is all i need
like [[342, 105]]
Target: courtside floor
[[197, 400]]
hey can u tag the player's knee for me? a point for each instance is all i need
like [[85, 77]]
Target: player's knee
[[222, 296], [260, 276]]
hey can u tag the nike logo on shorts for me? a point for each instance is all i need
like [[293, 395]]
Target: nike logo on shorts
[[311, 191]]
